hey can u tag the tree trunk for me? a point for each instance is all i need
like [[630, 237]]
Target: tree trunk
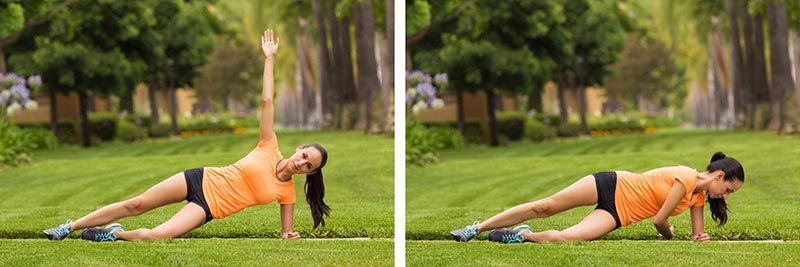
[[562, 101], [328, 95], [82, 106], [797, 76], [725, 115], [151, 92], [389, 77], [337, 58], [490, 111], [779, 57], [535, 101], [367, 68], [580, 93], [736, 70], [173, 110], [347, 83], [748, 67], [53, 112], [2, 61], [126, 102], [460, 111], [760, 85]]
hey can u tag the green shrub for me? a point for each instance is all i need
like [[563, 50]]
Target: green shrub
[[66, 133], [553, 120], [140, 120], [445, 138], [103, 125], [537, 131], [423, 144], [616, 124], [129, 132], [661, 122], [210, 123], [16, 143], [511, 124], [40, 138], [473, 129], [160, 130], [569, 129]]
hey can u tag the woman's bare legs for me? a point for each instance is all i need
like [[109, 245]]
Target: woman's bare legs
[[169, 191], [595, 225], [581, 193], [188, 218]]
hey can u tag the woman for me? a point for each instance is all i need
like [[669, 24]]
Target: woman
[[623, 198], [260, 177]]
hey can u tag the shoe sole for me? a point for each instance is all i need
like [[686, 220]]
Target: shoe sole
[[50, 236], [522, 226], [456, 237]]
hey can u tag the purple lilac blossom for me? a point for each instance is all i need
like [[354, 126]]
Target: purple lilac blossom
[[9, 79], [20, 91], [441, 79], [35, 81], [426, 90], [415, 77]]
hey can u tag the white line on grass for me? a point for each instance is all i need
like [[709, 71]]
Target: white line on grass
[[665, 241]]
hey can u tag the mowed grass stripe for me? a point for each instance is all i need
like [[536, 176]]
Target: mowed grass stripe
[[228, 252], [478, 182], [602, 253]]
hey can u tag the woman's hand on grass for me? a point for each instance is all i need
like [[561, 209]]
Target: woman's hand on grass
[[701, 237], [290, 236]]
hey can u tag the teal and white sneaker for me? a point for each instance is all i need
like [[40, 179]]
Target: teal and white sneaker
[[59, 232], [466, 233], [115, 227], [503, 235], [98, 234]]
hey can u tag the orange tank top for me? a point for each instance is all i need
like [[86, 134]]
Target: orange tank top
[[640, 195], [250, 181]]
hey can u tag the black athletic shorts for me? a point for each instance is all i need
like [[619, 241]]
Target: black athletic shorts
[[194, 190], [606, 188]]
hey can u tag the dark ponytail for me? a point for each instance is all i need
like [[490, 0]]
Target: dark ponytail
[[733, 171], [315, 190]]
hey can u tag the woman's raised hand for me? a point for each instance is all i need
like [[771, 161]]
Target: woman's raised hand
[[269, 45]]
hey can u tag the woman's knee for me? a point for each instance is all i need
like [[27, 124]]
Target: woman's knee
[[542, 207], [134, 206]]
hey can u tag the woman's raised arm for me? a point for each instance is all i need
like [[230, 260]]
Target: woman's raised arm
[[270, 47]]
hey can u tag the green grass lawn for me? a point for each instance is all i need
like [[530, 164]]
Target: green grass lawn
[[603, 253], [70, 182], [478, 182], [228, 252]]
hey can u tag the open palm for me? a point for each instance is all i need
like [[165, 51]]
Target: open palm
[[269, 45]]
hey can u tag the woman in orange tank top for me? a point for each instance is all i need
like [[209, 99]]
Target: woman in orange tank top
[[623, 198], [261, 177]]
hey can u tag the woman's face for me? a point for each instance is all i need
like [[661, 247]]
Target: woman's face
[[720, 188], [304, 160]]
